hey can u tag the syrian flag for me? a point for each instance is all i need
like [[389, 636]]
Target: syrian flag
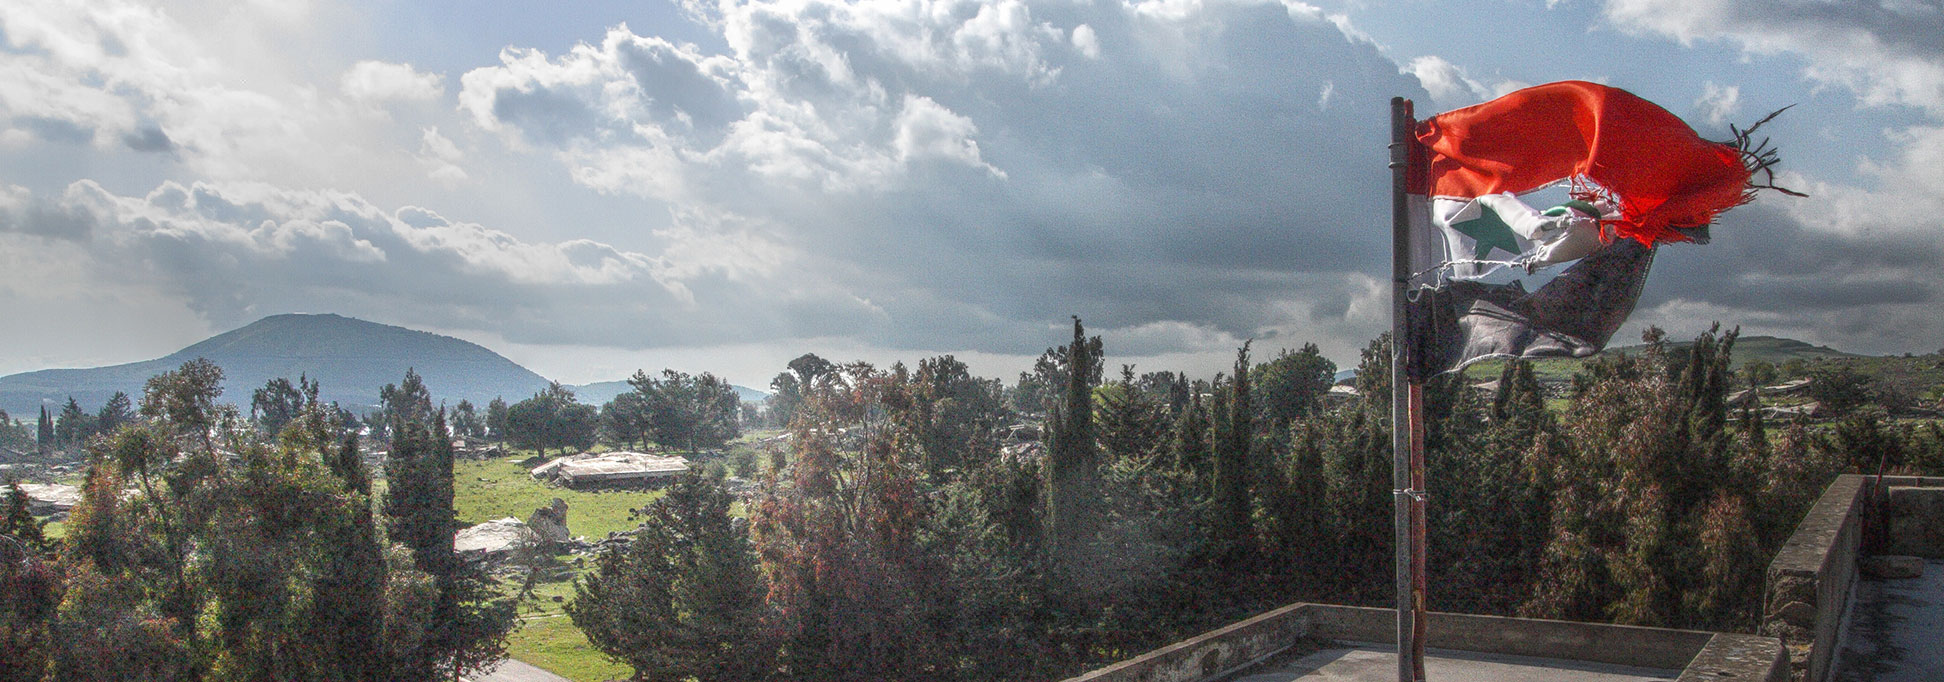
[[1638, 177]]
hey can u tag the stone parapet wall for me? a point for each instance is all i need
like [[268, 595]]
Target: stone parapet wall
[[1699, 655], [1214, 653], [1810, 580]]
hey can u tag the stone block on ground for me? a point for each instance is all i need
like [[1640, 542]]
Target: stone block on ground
[[550, 522], [493, 539]]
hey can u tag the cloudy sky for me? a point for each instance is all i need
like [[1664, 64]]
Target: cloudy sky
[[720, 185]]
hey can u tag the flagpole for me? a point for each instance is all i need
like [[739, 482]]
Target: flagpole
[[1407, 453]]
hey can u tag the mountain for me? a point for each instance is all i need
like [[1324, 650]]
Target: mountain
[[350, 359], [600, 393]]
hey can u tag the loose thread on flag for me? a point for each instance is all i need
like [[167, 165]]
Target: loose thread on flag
[[1759, 157]]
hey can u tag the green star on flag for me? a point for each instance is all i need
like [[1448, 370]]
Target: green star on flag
[[1488, 231]]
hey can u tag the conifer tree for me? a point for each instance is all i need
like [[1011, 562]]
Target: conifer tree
[[1190, 442], [1072, 460], [853, 592], [71, 427], [470, 622], [115, 413], [682, 601], [349, 587], [1234, 473], [496, 419], [1133, 423], [18, 522], [30, 591], [44, 432]]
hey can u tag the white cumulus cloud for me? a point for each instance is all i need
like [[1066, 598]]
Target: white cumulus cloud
[[378, 82]]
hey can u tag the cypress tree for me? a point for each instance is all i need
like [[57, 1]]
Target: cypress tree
[[44, 432], [1190, 444], [1073, 459], [350, 587], [1234, 431], [470, 622], [419, 518]]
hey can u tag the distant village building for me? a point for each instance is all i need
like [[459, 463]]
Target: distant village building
[[612, 469]]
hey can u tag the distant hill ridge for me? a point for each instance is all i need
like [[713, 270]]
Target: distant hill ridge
[[1772, 349], [350, 358]]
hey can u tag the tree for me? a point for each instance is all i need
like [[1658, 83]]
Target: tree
[[469, 625], [73, 427], [809, 368], [1840, 389], [626, 419], [954, 415], [1292, 385], [853, 592], [683, 600], [1757, 374], [1189, 442], [1039, 390], [1133, 424], [1234, 463], [119, 411], [786, 392], [44, 432], [184, 400], [18, 523], [496, 414], [30, 591], [551, 419], [256, 561], [14, 434], [279, 402], [466, 421], [690, 412], [408, 400], [1073, 460]]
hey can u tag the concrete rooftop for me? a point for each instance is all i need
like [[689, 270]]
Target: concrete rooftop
[[1367, 662], [1895, 630]]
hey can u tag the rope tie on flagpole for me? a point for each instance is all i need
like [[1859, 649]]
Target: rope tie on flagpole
[[1413, 493]]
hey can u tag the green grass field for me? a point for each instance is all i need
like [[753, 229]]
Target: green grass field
[[484, 490], [547, 637]]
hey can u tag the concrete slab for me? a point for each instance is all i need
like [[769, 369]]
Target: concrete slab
[[1377, 662], [610, 467], [1896, 630]]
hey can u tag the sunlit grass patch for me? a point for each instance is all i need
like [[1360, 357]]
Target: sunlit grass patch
[[484, 490]]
